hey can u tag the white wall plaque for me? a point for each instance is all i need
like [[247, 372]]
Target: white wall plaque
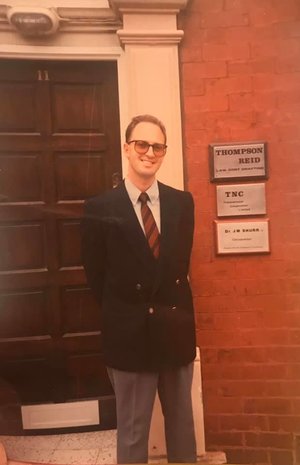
[[247, 160], [237, 237], [241, 199]]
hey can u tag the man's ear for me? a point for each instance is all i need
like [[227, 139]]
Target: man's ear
[[126, 149]]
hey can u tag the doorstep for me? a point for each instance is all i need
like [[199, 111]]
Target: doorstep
[[3, 458]]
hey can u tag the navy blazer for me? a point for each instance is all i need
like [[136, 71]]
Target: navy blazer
[[147, 316]]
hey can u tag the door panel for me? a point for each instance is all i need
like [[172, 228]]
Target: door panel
[[59, 144]]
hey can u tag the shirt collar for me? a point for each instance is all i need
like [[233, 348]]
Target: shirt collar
[[134, 192]]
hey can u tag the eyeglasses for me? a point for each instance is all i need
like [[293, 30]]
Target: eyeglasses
[[142, 147]]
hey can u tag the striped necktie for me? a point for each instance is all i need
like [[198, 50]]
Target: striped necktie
[[151, 230]]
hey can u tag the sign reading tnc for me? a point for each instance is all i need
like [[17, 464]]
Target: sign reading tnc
[[238, 161], [241, 199]]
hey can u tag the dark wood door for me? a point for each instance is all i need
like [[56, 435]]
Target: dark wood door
[[59, 144]]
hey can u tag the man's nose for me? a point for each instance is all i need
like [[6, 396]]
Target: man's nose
[[150, 152]]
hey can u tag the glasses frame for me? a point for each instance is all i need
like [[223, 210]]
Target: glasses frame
[[149, 145]]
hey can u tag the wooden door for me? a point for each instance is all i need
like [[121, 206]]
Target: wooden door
[[59, 144]]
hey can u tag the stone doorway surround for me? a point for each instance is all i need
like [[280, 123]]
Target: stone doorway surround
[[141, 35]]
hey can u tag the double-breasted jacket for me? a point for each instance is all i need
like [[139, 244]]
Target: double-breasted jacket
[[146, 305]]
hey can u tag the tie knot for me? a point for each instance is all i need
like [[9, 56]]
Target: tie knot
[[143, 198]]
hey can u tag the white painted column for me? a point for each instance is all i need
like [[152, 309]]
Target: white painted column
[[150, 74]]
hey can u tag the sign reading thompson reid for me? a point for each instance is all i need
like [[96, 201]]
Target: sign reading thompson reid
[[238, 161], [241, 199], [237, 237]]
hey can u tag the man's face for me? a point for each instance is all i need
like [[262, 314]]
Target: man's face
[[145, 166]]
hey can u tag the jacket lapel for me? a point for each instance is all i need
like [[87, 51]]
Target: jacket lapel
[[130, 225], [169, 214]]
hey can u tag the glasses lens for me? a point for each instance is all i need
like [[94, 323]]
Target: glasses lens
[[141, 146], [159, 149]]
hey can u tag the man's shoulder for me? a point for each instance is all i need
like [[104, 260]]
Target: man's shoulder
[[172, 191], [106, 196]]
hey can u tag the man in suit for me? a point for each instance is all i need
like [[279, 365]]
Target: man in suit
[[136, 253]]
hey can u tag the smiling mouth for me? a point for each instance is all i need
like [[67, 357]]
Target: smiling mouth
[[144, 160]]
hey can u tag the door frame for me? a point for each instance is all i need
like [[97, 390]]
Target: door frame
[[141, 40]]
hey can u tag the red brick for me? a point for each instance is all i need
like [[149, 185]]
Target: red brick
[[205, 5], [220, 338], [243, 423], [212, 423], [227, 439], [260, 17], [256, 132], [232, 85], [293, 317], [264, 337], [192, 86], [217, 270], [251, 319], [225, 52], [264, 65], [289, 423], [287, 28], [278, 441], [289, 10], [247, 5], [208, 355], [241, 100], [284, 354], [224, 35], [286, 97], [266, 371], [235, 388], [219, 404], [256, 101], [267, 405], [262, 286], [292, 302], [279, 82], [274, 319], [263, 302], [223, 19], [205, 103], [215, 303], [191, 54], [296, 405], [241, 355], [247, 455], [280, 457], [228, 321], [265, 266], [233, 120], [205, 70], [240, 68]]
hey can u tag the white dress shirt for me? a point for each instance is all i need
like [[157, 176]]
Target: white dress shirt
[[153, 202]]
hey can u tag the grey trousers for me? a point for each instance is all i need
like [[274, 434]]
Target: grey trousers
[[135, 395]]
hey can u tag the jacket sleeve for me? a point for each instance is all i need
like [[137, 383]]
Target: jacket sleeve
[[93, 249]]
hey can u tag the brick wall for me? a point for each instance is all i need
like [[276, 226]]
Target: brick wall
[[240, 74]]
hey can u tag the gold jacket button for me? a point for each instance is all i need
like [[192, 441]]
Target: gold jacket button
[[138, 287], [177, 281], [174, 308], [151, 310]]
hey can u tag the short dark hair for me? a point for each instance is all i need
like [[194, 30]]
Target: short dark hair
[[144, 119]]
